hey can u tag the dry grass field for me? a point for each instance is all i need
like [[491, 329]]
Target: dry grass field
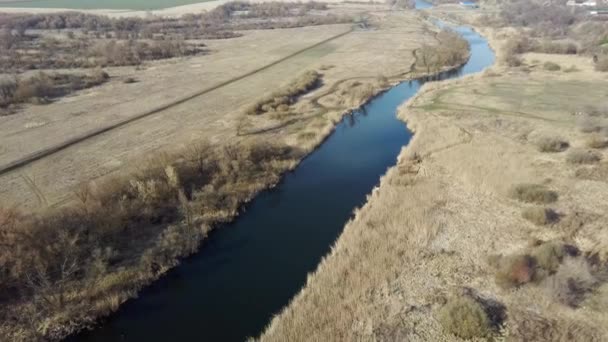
[[492, 225], [384, 50]]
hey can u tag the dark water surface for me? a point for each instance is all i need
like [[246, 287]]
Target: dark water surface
[[247, 271]]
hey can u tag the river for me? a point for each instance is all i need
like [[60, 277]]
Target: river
[[250, 269]]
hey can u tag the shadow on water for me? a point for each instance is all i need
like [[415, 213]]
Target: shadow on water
[[250, 269]]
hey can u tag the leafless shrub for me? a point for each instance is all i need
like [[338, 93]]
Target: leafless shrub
[[550, 66], [518, 45], [282, 99], [602, 64], [533, 193], [550, 254], [465, 317], [37, 87], [528, 325], [43, 86], [401, 4], [571, 283], [580, 156], [588, 123], [539, 261], [552, 47], [552, 144], [540, 216], [514, 270], [551, 20], [513, 60], [128, 41], [597, 141], [8, 86], [64, 262], [452, 51], [596, 172]]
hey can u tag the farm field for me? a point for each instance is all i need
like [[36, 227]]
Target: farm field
[[213, 116], [97, 4]]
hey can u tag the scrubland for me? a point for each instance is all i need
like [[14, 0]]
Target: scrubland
[[86, 227], [492, 224]]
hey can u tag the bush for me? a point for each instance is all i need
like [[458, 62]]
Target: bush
[[282, 99], [533, 193], [588, 123], [549, 255], [39, 86], [602, 64], [550, 66], [582, 157], [452, 51], [515, 270], [167, 206], [552, 20], [552, 144], [42, 86], [8, 85], [556, 48], [540, 216], [466, 318], [572, 282], [597, 141], [513, 60]]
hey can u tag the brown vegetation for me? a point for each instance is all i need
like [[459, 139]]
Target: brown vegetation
[[281, 100], [533, 193], [552, 144], [64, 267], [597, 141], [540, 216], [550, 66], [465, 317], [522, 44], [580, 156], [452, 51], [572, 282], [42, 87], [85, 40], [553, 20], [514, 270], [602, 64], [597, 172], [541, 260]]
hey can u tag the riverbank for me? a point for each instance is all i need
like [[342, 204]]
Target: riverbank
[[445, 222]]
